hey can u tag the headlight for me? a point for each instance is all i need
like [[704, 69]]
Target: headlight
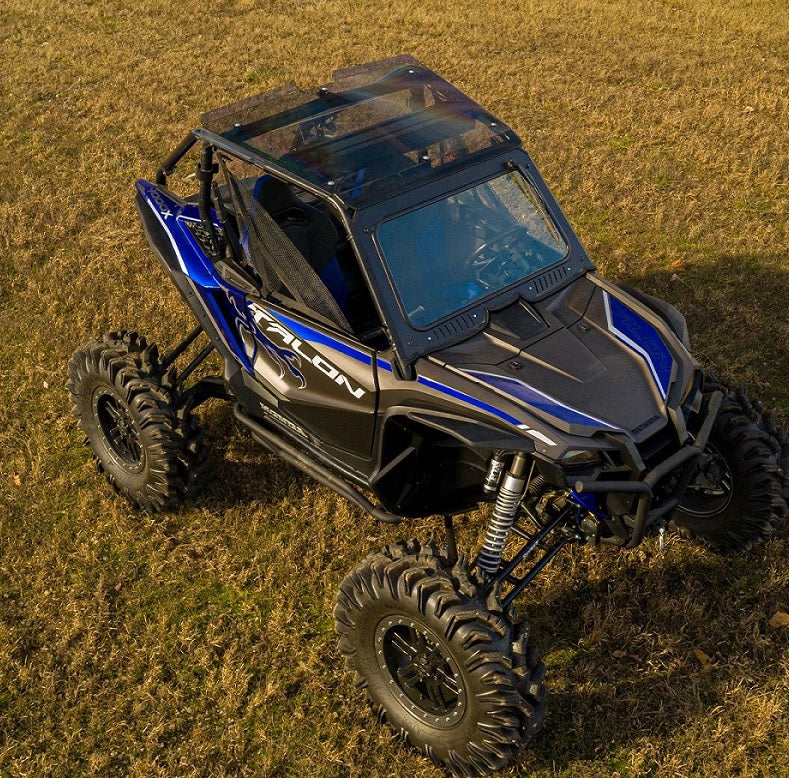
[[576, 458]]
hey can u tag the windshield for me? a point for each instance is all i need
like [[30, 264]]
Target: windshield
[[446, 255]]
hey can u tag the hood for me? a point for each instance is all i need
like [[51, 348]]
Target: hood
[[584, 361]]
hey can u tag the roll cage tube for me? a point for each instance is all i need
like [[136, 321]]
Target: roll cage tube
[[206, 169], [168, 166]]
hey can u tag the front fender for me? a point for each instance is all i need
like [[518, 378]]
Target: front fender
[[666, 311]]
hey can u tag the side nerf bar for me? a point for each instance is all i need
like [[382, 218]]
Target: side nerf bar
[[686, 456], [298, 458]]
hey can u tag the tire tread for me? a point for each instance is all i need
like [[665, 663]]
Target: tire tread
[[506, 672], [175, 446]]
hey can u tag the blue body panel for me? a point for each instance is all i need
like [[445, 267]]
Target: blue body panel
[[223, 302], [640, 336]]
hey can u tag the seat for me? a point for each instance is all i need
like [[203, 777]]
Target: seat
[[310, 229]]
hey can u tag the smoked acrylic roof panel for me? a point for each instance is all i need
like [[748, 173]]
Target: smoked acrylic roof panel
[[377, 129]]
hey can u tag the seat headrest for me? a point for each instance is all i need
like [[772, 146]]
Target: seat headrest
[[275, 195]]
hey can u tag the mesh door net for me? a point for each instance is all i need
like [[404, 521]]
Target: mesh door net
[[277, 262]]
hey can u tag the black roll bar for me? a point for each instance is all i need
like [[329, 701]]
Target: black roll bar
[[168, 166]]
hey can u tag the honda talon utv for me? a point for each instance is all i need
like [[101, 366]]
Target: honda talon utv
[[403, 312]]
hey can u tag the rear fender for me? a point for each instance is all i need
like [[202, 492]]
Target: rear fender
[[172, 227]]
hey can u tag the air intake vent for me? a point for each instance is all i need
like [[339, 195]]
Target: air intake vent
[[549, 279], [454, 327], [201, 235]]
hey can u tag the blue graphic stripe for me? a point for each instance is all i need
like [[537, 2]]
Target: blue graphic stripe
[[640, 336], [467, 398], [218, 316], [315, 336], [539, 400], [536, 399], [383, 364], [145, 189], [192, 263]]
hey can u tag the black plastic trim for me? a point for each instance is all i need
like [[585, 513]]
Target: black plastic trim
[[168, 166]]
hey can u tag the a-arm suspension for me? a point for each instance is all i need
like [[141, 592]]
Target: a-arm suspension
[[548, 534]]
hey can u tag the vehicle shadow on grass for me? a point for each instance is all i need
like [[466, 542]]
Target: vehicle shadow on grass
[[658, 648], [241, 471]]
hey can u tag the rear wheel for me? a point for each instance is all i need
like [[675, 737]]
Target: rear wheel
[[150, 449], [455, 679], [737, 496]]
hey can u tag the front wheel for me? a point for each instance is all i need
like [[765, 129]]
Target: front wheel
[[453, 678], [736, 498]]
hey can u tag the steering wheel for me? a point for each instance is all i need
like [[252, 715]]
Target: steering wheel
[[497, 262]]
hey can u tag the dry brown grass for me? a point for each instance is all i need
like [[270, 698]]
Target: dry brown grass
[[200, 642]]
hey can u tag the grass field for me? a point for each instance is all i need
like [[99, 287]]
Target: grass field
[[200, 642]]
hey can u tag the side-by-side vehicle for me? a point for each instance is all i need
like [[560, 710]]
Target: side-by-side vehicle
[[402, 311]]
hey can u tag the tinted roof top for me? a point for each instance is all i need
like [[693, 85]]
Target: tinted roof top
[[375, 130]]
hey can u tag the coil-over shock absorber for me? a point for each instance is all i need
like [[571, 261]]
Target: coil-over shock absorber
[[505, 512]]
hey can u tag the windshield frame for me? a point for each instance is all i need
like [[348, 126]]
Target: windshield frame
[[540, 211], [411, 342]]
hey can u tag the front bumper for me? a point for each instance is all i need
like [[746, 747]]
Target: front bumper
[[645, 515]]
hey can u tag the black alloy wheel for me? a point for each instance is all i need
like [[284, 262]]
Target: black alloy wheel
[[712, 487], [453, 677], [118, 428], [426, 675]]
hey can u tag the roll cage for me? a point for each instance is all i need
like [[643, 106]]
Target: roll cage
[[377, 142]]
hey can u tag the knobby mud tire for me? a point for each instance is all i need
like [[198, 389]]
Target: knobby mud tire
[[756, 453], [149, 447], [498, 675]]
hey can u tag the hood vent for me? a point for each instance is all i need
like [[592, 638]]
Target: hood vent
[[466, 322]]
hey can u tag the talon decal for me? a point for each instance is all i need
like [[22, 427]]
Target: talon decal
[[298, 355], [281, 357]]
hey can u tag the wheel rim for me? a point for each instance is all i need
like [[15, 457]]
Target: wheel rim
[[420, 671], [710, 491], [119, 430]]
